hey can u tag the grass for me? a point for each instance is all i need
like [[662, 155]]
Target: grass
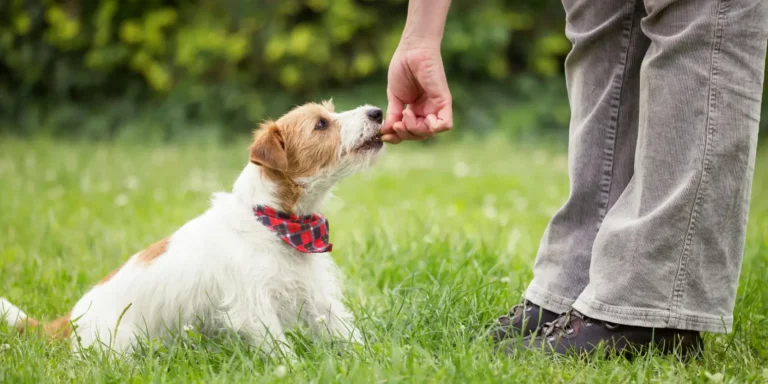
[[436, 242]]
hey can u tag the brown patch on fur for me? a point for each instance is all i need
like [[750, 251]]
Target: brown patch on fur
[[109, 276], [60, 328], [305, 149], [268, 148], [153, 251], [146, 256]]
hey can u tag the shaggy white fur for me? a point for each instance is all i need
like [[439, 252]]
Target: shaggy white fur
[[223, 270]]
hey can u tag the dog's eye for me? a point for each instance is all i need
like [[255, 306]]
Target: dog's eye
[[322, 124]]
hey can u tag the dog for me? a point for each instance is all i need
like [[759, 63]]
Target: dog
[[257, 261]]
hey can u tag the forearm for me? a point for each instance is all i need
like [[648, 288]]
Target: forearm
[[426, 21]]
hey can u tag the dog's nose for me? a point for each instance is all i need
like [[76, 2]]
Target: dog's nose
[[375, 114]]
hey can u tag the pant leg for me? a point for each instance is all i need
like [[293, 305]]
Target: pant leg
[[602, 75], [668, 254]]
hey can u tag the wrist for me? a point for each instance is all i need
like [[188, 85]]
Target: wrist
[[425, 23], [410, 43]]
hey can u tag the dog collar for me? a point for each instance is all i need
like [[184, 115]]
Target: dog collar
[[308, 233]]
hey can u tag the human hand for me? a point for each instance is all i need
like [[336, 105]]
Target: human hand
[[417, 79]]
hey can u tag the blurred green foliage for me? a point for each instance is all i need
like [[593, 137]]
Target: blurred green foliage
[[92, 65], [160, 67]]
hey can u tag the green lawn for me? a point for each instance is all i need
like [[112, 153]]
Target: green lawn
[[435, 242]]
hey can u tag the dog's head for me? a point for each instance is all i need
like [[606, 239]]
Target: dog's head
[[312, 145]]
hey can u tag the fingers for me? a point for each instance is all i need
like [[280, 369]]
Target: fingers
[[445, 116], [394, 112], [416, 125], [412, 127], [403, 124], [404, 133], [441, 122]]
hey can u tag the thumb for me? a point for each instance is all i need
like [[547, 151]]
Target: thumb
[[444, 119], [394, 112]]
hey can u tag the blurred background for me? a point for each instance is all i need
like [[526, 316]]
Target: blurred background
[[158, 69], [119, 118], [163, 70]]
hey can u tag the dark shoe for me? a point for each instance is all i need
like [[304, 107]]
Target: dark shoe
[[523, 319], [575, 334]]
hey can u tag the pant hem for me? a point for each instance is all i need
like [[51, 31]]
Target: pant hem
[[653, 318], [549, 301]]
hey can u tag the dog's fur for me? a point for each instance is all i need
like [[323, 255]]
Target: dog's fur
[[224, 270]]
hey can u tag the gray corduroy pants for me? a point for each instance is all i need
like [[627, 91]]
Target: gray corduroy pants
[[665, 98]]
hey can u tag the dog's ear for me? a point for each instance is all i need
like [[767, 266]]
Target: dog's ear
[[328, 104], [268, 148]]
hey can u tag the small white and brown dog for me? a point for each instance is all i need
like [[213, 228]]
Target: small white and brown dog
[[255, 262]]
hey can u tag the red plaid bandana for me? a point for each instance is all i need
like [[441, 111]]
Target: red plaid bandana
[[308, 234]]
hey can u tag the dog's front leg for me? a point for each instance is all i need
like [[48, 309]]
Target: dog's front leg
[[333, 317], [265, 332], [327, 314]]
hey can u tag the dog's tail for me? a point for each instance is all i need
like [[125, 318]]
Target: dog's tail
[[13, 316]]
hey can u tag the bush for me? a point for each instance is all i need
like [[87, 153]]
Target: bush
[[62, 60], [94, 66]]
